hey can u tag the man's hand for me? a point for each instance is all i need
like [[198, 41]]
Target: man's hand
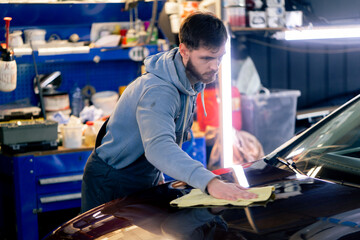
[[228, 191]]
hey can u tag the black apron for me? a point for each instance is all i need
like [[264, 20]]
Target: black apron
[[103, 183]]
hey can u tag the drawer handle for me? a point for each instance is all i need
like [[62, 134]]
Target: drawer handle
[[45, 181], [59, 198]]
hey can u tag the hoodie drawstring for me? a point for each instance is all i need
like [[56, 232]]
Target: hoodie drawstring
[[203, 102], [186, 114], [185, 120]]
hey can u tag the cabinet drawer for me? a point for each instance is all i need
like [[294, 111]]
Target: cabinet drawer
[[65, 163], [60, 200], [59, 183]]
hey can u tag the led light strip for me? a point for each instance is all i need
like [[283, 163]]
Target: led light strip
[[331, 33]]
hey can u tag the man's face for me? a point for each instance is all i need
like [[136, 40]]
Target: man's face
[[202, 64]]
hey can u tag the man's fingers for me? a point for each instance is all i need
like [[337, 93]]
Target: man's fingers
[[228, 191], [245, 193]]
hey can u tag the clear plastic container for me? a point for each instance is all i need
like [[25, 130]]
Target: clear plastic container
[[270, 117], [90, 134], [72, 136]]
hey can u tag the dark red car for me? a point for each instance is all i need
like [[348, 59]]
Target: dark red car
[[316, 176]]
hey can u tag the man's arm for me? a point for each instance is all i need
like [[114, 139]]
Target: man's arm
[[228, 191]]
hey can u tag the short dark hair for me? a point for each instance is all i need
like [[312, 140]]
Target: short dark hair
[[202, 29]]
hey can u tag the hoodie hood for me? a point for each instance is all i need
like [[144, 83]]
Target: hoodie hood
[[168, 66]]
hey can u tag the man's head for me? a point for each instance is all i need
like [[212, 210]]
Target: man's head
[[201, 29], [202, 44]]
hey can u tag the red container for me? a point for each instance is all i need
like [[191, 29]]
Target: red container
[[212, 101], [236, 16]]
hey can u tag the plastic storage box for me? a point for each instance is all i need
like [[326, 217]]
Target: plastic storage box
[[24, 136], [270, 117]]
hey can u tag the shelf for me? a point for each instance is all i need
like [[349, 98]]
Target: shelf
[[248, 29], [83, 55], [251, 31]]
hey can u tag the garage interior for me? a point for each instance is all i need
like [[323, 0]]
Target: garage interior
[[297, 83]]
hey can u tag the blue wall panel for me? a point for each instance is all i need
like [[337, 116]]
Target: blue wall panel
[[64, 18], [103, 76], [114, 68]]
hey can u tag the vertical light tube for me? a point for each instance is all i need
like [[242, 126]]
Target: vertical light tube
[[226, 108]]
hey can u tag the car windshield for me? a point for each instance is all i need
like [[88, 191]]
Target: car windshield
[[330, 150]]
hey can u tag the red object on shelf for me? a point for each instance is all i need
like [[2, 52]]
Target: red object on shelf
[[212, 100], [7, 26], [237, 21]]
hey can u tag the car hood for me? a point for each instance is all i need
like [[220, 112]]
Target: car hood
[[296, 204]]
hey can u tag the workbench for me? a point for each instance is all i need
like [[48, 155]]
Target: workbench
[[39, 182]]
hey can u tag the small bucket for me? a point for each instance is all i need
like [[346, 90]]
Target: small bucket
[[72, 136], [8, 75]]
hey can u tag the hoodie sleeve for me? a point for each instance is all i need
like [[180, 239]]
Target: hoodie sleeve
[[155, 115]]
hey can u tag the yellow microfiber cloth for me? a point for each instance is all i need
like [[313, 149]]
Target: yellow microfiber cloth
[[196, 198]]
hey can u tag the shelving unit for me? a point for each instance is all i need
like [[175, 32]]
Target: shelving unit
[[112, 66], [252, 30], [102, 54]]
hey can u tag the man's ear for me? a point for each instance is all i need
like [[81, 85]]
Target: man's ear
[[184, 52]]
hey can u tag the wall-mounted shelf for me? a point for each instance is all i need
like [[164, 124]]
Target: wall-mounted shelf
[[248, 29], [83, 55], [252, 31]]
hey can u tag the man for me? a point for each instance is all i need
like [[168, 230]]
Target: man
[[144, 133]]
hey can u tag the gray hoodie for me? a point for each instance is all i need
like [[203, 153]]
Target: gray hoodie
[[149, 118]]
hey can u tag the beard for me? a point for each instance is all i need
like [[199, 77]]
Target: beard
[[194, 75]]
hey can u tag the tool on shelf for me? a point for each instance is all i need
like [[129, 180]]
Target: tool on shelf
[[37, 80], [8, 68]]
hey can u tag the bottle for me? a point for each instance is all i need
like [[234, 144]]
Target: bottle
[[154, 36], [77, 102], [142, 35], [90, 134], [131, 37]]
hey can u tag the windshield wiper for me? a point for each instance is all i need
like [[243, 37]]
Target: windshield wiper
[[290, 164]]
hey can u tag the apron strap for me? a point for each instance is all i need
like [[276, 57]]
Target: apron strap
[[101, 134]]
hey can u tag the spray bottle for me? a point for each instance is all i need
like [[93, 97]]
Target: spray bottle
[[8, 69]]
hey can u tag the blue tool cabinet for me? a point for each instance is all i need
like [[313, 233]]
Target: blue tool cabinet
[[38, 182]]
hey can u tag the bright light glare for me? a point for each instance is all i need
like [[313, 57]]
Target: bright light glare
[[98, 215], [295, 153], [310, 171], [226, 105], [240, 175], [316, 171], [322, 33]]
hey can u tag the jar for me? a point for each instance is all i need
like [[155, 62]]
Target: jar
[[15, 39], [35, 36], [90, 134]]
